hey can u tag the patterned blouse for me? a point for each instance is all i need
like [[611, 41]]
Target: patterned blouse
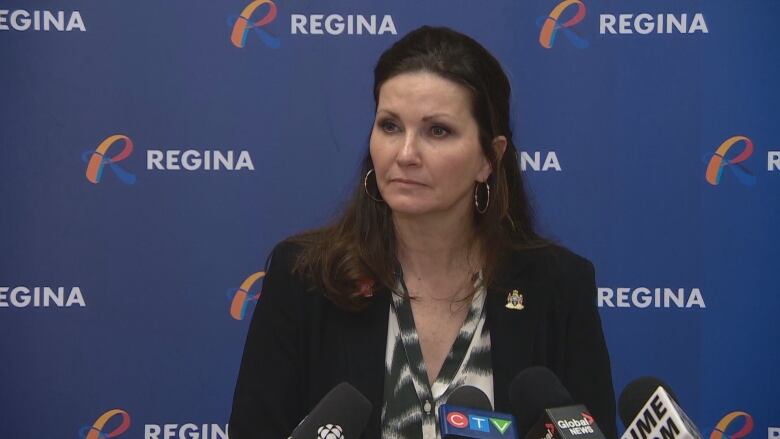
[[410, 404]]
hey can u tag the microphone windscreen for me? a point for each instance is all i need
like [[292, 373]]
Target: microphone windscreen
[[532, 391], [636, 394], [343, 412], [470, 397]]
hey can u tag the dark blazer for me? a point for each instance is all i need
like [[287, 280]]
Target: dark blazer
[[300, 345]]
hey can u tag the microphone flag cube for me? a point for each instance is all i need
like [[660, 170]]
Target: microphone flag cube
[[468, 423], [569, 422], [661, 417]]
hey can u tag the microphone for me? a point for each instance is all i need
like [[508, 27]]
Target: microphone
[[546, 410], [342, 413], [468, 414], [470, 396], [648, 408]]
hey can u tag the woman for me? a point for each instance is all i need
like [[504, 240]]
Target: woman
[[433, 272]]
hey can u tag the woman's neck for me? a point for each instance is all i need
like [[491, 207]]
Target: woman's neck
[[437, 247]]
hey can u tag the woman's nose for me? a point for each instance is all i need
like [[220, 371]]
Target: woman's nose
[[409, 155]]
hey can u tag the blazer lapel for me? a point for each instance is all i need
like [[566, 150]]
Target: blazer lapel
[[365, 339], [512, 331]]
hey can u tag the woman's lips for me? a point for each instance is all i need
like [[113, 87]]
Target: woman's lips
[[405, 181]]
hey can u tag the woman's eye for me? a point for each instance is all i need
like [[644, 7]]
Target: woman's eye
[[438, 131], [388, 126]]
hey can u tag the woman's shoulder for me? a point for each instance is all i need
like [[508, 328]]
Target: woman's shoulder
[[568, 276], [552, 259], [284, 254]]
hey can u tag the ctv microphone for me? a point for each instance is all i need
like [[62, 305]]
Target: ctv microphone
[[468, 414], [470, 396], [546, 410], [342, 413], [648, 409]]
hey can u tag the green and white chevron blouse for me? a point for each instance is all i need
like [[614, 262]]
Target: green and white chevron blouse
[[410, 403]]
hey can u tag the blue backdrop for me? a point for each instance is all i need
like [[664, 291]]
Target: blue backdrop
[[115, 296]]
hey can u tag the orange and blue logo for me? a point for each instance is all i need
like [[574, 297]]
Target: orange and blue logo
[[97, 160], [241, 298], [98, 430], [552, 23], [722, 428], [242, 24], [718, 161]]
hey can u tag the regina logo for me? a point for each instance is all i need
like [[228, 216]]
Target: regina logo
[[720, 431], [719, 161], [259, 14], [240, 298], [243, 23], [552, 23], [167, 160], [99, 429], [97, 160]]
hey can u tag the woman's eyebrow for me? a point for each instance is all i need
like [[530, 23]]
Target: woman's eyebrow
[[435, 115], [425, 118]]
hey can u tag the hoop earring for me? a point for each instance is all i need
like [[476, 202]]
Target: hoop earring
[[365, 186], [476, 198]]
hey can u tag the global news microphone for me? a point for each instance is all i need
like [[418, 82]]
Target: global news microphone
[[433, 276]]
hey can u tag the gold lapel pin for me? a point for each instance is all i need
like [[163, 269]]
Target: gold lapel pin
[[514, 300]]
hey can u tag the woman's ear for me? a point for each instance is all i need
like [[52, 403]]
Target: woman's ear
[[499, 147]]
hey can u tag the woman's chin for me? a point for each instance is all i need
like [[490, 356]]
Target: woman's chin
[[408, 208]]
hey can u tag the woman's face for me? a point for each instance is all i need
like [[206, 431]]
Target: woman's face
[[425, 146]]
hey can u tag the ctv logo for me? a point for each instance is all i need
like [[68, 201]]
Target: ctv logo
[[240, 298], [477, 423], [258, 15], [720, 431], [551, 24]]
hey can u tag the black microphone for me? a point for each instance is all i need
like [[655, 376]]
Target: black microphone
[[648, 409], [342, 413], [468, 414], [546, 410], [470, 396]]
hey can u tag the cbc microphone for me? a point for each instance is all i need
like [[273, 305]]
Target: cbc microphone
[[468, 414], [546, 410], [648, 408], [342, 413]]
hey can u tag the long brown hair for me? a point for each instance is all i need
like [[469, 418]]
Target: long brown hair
[[359, 247]]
